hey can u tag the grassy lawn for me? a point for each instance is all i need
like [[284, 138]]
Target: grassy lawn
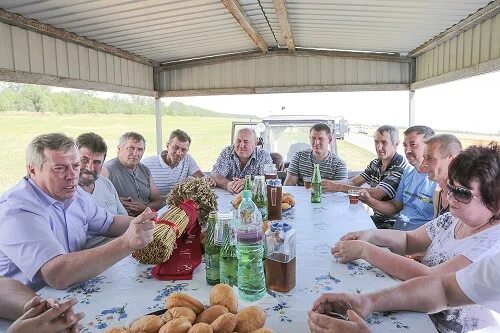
[[209, 136]]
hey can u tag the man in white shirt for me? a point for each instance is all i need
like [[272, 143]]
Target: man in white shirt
[[93, 149], [174, 164], [477, 283]]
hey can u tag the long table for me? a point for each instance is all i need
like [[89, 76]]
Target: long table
[[127, 290]]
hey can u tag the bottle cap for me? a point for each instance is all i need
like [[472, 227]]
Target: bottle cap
[[246, 194], [274, 182]]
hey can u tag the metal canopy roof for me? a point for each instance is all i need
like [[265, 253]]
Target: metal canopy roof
[[167, 30]]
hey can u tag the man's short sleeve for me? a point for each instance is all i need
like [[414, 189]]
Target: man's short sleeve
[[368, 172], [221, 166], [120, 209], [401, 187], [27, 240], [340, 171], [192, 165], [479, 282], [293, 168], [390, 184]]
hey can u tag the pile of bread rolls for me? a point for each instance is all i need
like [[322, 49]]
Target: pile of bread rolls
[[186, 314]]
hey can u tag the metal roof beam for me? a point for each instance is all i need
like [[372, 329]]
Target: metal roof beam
[[299, 52], [239, 14], [282, 13], [466, 24], [49, 30]]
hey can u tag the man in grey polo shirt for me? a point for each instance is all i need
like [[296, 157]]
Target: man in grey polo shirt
[[131, 178], [174, 164], [302, 164]]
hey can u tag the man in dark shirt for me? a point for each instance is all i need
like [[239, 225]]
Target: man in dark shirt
[[383, 174]]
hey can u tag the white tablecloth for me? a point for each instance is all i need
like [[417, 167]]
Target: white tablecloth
[[127, 290]]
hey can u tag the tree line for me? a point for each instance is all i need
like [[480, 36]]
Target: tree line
[[32, 98]]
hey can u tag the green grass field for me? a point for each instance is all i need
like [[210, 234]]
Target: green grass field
[[209, 136]]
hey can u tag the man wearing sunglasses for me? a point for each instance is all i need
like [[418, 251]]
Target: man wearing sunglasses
[[413, 199], [439, 151]]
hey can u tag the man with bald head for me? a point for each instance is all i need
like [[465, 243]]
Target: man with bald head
[[241, 159]]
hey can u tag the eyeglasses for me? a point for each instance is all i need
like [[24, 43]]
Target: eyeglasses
[[461, 194]]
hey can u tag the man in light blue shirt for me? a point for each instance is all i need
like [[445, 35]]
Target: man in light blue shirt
[[413, 199], [46, 217]]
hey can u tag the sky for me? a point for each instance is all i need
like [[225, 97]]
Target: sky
[[468, 105]]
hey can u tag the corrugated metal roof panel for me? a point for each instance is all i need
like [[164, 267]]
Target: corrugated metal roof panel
[[158, 29], [366, 25], [165, 30]]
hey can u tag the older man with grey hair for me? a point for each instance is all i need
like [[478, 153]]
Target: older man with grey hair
[[46, 217], [131, 178], [241, 159]]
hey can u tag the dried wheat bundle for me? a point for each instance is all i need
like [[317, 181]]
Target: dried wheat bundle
[[165, 235], [197, 190]]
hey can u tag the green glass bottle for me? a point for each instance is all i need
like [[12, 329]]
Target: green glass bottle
[[260, 196], [228, 259], [212, 252], [316, 185], [248, 183]]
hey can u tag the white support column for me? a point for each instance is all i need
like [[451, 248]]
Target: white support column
[[411, 108], [159, 133]]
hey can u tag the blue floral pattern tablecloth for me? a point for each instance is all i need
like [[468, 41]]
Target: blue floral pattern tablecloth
[[127, 290]]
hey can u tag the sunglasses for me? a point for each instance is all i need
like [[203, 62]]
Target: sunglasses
[[461, 194]]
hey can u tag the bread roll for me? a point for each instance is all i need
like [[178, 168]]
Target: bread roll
[[250, 319], [178, 325], [223, 294], [224, 324], [181, 299], [201, 328], [211, 313], [147, 324], [179, 312]]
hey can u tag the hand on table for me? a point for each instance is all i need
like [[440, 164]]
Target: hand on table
[[345, 251], [364, 196], [210, 181], [364, 235], [140, 231], [342, 302], [42, 317], [235, 185], [330, 186], [134, 208], [320, 323]]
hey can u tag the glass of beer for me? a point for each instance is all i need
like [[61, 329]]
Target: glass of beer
[[307, 182], [353, 196], [270, 171]]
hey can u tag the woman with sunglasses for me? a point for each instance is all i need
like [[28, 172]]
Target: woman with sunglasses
[[468, 233]]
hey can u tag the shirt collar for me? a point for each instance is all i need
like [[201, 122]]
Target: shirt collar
[[252, 157]]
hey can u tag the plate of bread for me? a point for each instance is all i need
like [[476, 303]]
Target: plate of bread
[[186, 314]]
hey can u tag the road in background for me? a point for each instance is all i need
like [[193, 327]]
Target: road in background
[[365, 141]]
